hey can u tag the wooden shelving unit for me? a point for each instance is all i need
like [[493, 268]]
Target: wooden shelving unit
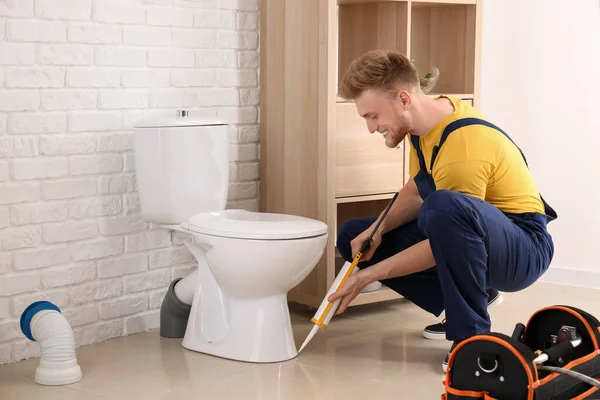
[[317, 157]]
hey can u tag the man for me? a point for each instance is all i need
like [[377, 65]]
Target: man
[[468, 224]]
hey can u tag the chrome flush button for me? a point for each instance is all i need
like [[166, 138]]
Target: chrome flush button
[[182, 113]]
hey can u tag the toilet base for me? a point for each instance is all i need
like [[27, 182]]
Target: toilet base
[[257, 330]]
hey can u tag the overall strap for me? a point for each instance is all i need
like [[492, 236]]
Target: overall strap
[[550, 212], [465, 122], [415, 142]]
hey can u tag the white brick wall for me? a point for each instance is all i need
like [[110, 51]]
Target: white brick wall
[[75, 76]]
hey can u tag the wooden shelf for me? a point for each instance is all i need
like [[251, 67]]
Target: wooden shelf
[[362, 161], [464, 96], [360, 208], [439, 3], [365, 26], [314, 142], [417, 3], [383, 294], [443, 36], [369, 197], [347, 2]]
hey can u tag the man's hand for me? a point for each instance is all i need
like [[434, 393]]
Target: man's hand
[[358, 241], [349, 290]]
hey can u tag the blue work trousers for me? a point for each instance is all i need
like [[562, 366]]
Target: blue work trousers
[[476, 247]]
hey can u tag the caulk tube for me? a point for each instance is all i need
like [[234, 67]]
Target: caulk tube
[[327, 309]]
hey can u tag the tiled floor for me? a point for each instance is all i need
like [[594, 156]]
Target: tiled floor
[[373, 351]]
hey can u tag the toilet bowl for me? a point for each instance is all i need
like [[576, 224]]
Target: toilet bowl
[[247, 263], [234, 305]]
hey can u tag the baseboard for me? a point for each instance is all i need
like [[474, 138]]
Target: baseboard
[[572, 277]]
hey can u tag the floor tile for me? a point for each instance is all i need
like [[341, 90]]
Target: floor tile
[[17, 387], [142, 360], [287, 381], [371, 351]]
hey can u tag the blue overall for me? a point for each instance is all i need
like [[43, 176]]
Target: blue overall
[[475, 245]]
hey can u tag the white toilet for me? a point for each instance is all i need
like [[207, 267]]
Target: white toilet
[[247, 261]]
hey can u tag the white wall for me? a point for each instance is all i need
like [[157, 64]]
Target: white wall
[[541, 82], [75, 75]]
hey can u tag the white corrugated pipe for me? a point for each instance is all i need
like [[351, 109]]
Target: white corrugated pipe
[[43, 322]]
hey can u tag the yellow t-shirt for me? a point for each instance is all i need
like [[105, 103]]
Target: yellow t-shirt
[[479, 161]]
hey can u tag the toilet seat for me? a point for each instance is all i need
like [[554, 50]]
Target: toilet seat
[[243, 224]]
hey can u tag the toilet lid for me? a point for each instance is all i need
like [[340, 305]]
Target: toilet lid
[[254, 225]]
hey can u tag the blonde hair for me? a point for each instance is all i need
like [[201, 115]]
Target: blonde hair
[[386, 71]]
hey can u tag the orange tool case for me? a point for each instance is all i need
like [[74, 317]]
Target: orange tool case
[[555, 356]]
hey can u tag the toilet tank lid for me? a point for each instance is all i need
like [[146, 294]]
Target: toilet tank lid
[[177, 121], [244, 224]]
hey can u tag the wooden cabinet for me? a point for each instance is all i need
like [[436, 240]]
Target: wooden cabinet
[[317, 157], [363, 164]]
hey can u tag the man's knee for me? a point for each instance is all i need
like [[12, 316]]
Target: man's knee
[[348, 231], [443, 209], [345, 236]]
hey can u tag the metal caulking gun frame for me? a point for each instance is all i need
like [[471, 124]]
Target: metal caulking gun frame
[[327, 309]]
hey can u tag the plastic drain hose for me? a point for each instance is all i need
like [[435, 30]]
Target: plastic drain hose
[[43, 322]]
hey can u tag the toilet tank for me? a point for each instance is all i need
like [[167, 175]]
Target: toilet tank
[[182, 167]]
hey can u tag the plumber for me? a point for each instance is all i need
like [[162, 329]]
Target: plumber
[[468, 224]]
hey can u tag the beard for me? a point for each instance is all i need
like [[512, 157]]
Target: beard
[[396, 134]]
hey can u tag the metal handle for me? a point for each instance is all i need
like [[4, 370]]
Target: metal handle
[[182, 113], [489, 371]]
